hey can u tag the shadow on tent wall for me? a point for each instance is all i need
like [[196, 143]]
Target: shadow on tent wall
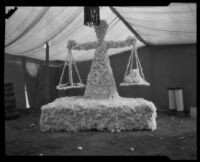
[[13, 72], [21, 71]]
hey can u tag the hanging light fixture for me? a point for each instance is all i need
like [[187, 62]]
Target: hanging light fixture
[[91, 16]]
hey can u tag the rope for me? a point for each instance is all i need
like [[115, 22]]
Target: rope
[[76, 69], [70, 69], [138, 62], [129, 63], [70, 62], [138, 66], [77, 72], [63, 70]]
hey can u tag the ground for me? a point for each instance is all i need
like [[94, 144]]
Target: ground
[[175, 137]]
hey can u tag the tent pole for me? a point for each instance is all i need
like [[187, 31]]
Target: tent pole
[[47, 72], [129, 26], [25, 88]]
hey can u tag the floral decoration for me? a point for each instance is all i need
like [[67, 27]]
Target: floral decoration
[[78, 113], [101, 63]]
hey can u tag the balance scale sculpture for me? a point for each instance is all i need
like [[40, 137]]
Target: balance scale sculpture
[[100, 82], [101, 107]]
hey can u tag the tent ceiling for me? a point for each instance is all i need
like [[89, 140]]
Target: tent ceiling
[[175, 24], [30, 27]]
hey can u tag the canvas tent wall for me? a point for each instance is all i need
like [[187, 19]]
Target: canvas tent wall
[[13, 72], [164, 66], [31, 27], [23, 71]]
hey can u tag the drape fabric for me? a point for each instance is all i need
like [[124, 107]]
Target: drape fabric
[[175, 24], [27, 30]]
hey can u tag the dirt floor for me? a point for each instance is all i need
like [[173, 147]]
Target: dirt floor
[[175, 138]]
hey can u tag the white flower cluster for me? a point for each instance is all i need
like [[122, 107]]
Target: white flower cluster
[[85, 46], [101, 30], [131, 41], [78, 113], [100, 78], [133, 76], [100, 82], [71, 44]]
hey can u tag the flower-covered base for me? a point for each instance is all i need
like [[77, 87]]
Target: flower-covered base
[[79, 113]]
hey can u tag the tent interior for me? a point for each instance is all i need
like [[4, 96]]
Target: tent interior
[[41, 120], [166, 42]]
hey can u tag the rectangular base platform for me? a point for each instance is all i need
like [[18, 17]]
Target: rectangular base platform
[[80, 114]]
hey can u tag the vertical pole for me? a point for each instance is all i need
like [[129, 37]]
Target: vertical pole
[[47, 72], [26, 98], [25, 88], [70, 69]]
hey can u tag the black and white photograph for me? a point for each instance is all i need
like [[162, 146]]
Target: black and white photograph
[[101, 81]]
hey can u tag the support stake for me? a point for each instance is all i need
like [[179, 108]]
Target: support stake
[[47, 72]]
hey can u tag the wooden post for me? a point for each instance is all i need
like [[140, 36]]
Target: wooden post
[[25, 88], [47, 72]]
